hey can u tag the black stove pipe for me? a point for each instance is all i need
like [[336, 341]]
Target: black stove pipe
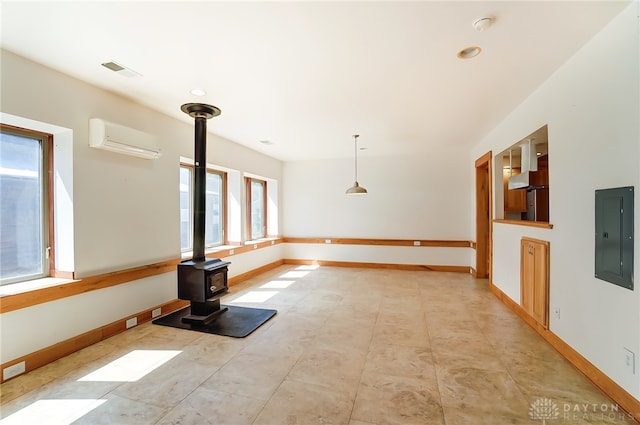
[[201, 112]]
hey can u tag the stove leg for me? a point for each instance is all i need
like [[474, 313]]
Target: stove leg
[[204, 313]]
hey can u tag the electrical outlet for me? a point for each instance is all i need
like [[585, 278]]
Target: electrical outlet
[[255, 246], [156, 312], [132, 322], [327, 241], [630, 361], [416, 243], [231, 251], [14, 370], [556, 312]]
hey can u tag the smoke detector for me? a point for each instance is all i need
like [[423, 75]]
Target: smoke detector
[[482, 24]]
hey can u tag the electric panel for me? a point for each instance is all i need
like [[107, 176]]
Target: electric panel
[[614, 236]]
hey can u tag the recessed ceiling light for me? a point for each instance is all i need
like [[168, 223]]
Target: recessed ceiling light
[[266, 142], [469, 52], [198, 92]]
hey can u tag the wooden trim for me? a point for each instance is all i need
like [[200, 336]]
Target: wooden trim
[[239, 249], [411, 267], [385, 242], [63, 275], [50, 198], [248, 181], [484, 215], [48, 178], [255, 272], [69, 346], [540, 224], [38, 296], [64, 348], [92, 283], [618, 394], [484, 158]]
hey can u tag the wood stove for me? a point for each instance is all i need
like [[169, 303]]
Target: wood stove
[[201, 280]]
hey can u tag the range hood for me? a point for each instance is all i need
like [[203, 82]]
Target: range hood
[[528, 164]]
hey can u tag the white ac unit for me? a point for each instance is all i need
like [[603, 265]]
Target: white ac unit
[[118, 138]]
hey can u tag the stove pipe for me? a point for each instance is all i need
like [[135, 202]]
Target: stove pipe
[[201, 112]]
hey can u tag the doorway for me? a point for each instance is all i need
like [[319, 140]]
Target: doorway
[[483, 216]]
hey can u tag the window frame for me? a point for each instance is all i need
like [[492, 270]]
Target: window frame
[[47, 213], [223, 209], [249, 212]]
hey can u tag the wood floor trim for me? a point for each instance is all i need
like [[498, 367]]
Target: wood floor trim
[[618, 394]]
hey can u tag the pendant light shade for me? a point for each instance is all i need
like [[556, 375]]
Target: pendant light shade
[[356, 189]]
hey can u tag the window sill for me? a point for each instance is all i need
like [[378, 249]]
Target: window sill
[[540, 224], [261, 240], [186, 255], [229, 250], [32, 285]]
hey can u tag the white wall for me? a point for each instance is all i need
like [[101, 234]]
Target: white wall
[[591, 105], [409, 198], [125, 210]]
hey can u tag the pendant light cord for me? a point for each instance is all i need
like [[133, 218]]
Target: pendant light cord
[[355, 155]]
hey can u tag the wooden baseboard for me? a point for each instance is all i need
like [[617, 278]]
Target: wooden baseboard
[[64, 348], [57, 351], [71, 345], [411, 267], [618, 394]]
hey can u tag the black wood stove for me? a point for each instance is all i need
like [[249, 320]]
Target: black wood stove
[[201, 280]]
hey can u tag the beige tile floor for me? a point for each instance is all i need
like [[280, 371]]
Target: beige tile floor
[[348, 346]]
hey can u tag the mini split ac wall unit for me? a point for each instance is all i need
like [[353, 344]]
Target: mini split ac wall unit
[[118, 138]]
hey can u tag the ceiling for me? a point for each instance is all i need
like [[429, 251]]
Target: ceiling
[[305, 76]]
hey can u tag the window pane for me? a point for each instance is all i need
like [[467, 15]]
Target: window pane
[[213, 223], [22, 253], [257, 209], [185, 208]]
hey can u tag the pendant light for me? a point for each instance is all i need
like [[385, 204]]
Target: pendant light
[[356, 189]]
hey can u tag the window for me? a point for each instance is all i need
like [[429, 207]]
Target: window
[[256, 208], [214, 207], [25, 208]]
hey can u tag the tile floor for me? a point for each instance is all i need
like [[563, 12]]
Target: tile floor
[[348, 346]]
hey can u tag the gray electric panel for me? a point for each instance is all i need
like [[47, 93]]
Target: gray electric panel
[[614, 236]]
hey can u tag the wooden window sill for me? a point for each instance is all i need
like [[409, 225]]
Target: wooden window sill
[[540, 224]]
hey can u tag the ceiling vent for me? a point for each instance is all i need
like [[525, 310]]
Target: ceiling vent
[[121, 69]]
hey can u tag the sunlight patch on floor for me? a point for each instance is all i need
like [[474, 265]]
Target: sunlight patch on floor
[[132, 366], [52, 412], [255, 297], [295, 274], [278, 284]]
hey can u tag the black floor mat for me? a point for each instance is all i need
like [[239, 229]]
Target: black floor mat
[[236, 322]]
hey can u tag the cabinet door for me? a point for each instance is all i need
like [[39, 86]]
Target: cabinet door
[[514, 200], [534, 279]]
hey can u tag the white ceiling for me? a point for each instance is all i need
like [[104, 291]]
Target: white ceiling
[[308, 75]]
